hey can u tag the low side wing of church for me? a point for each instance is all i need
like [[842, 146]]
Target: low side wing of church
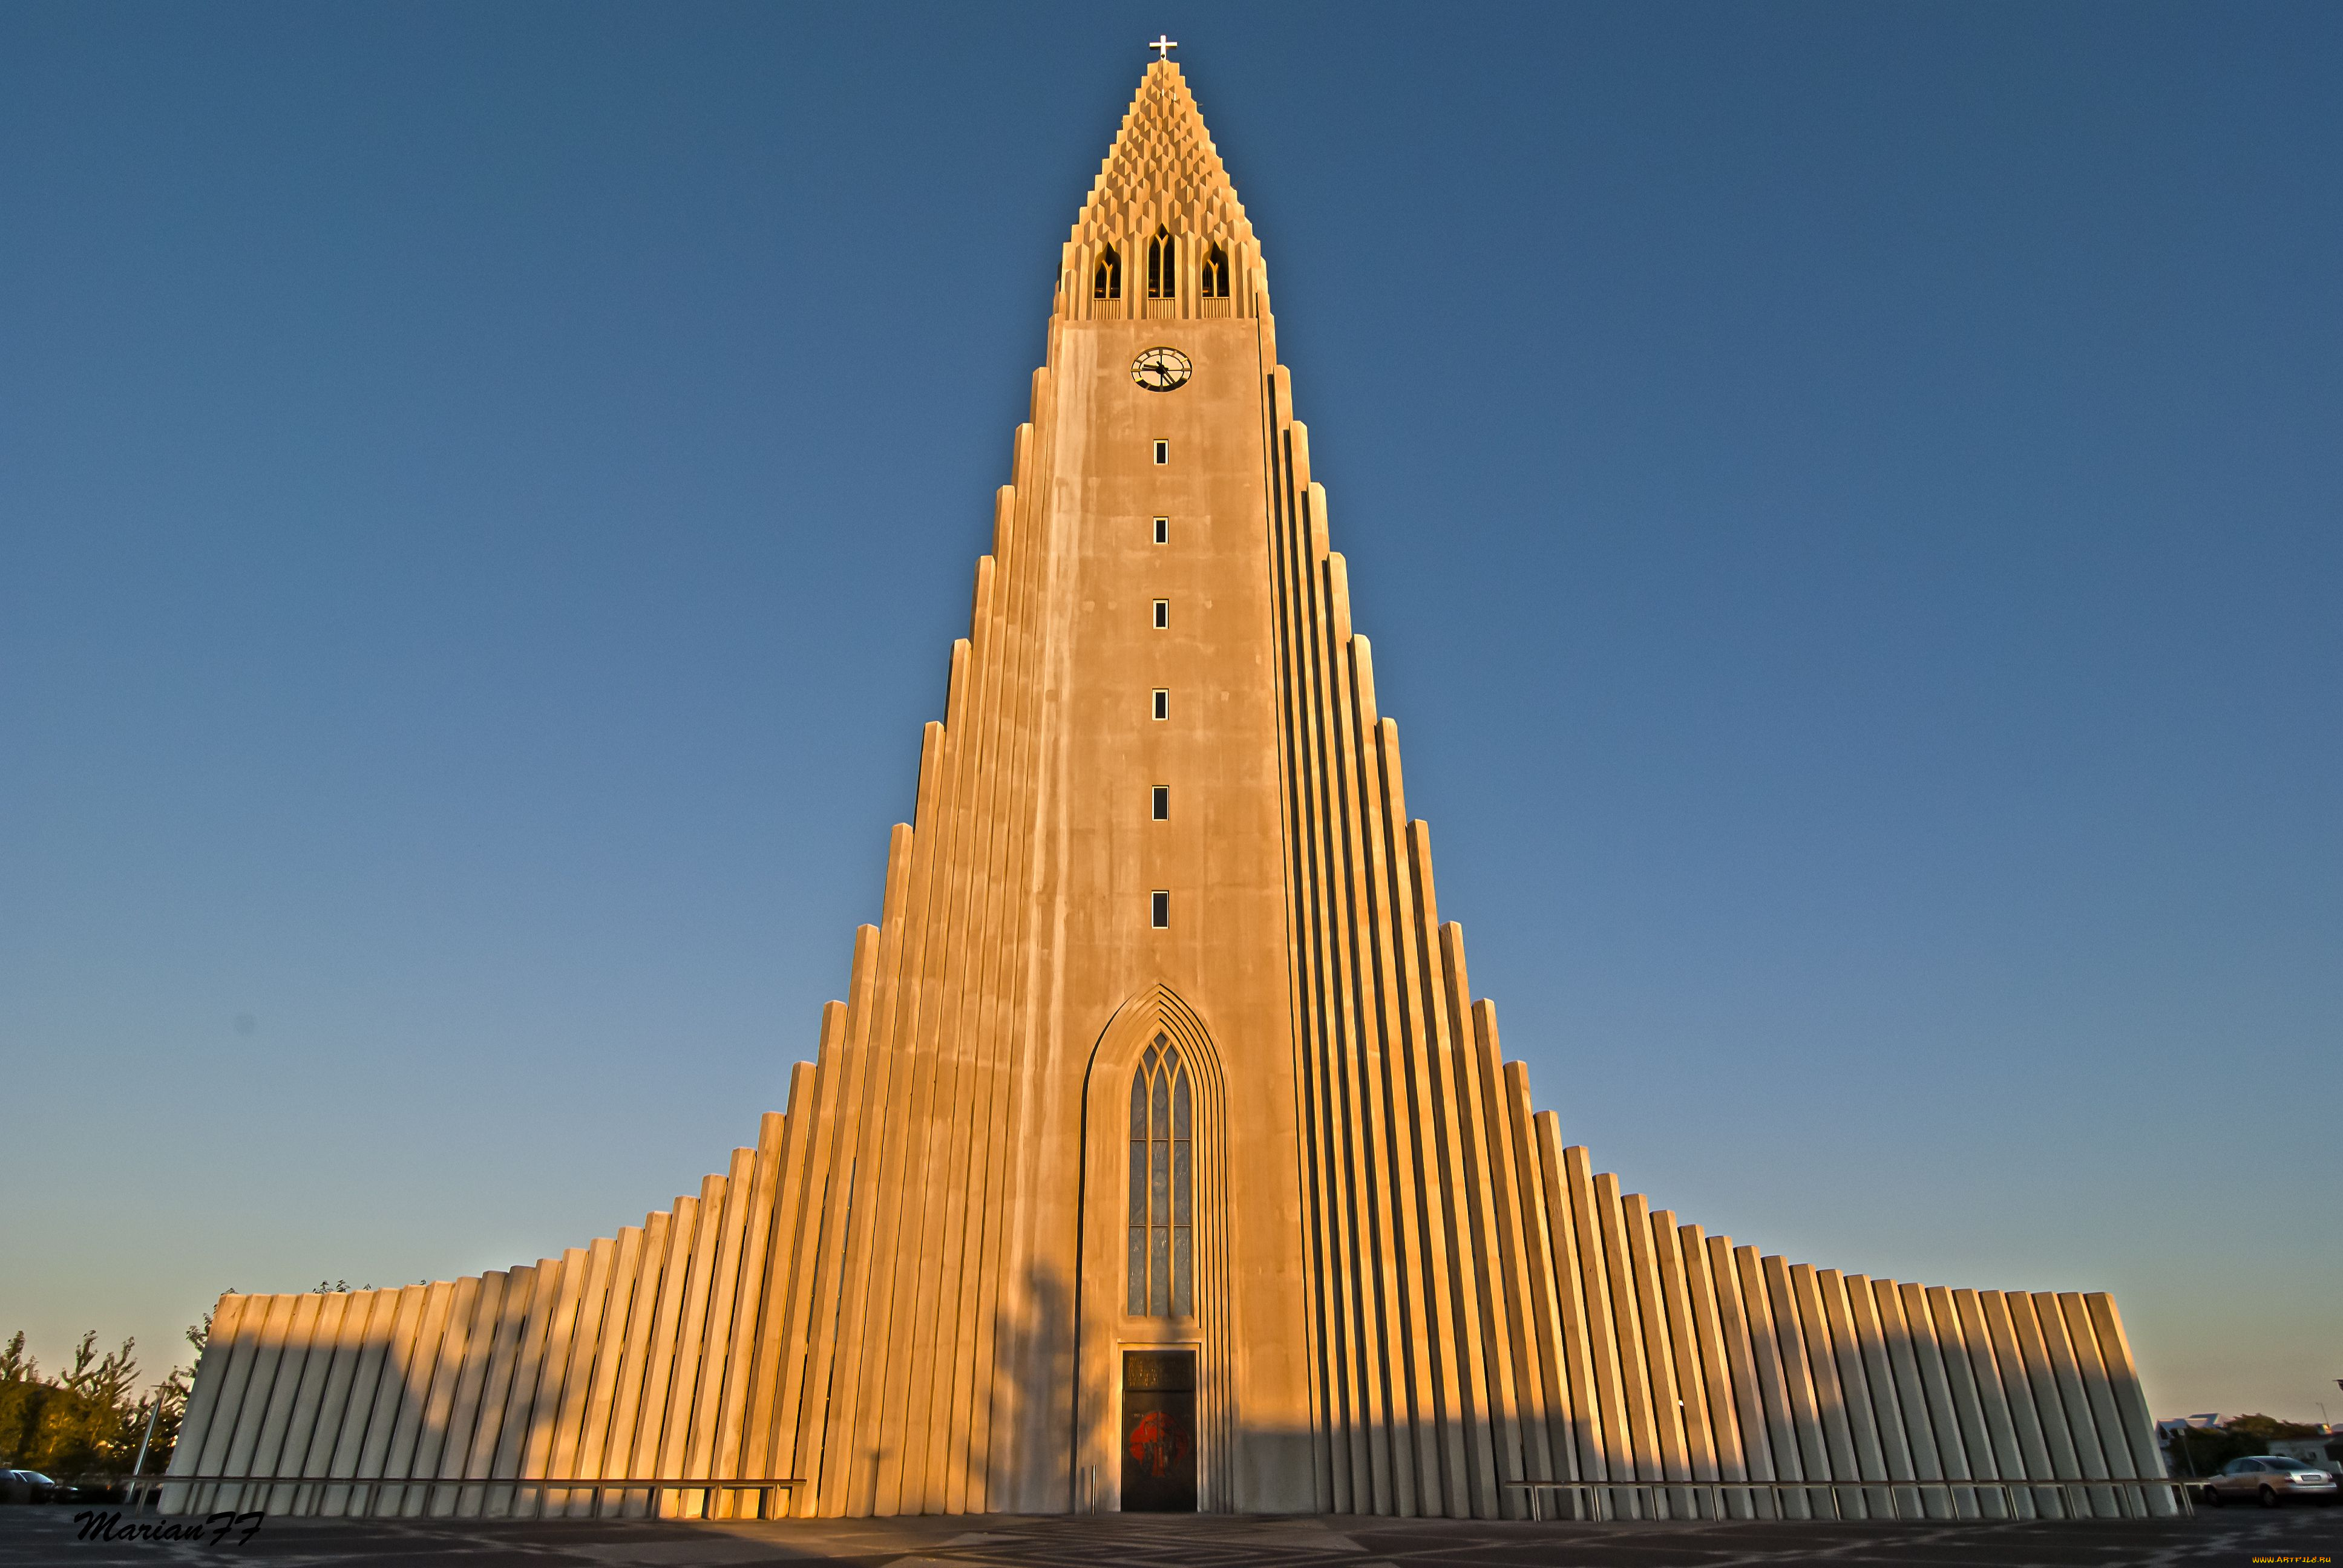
[[1160, 1155]]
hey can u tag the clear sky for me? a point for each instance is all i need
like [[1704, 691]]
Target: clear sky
[[1845, 498]]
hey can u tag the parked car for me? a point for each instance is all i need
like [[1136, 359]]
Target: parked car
[[2269, 1479], [26, 1486]]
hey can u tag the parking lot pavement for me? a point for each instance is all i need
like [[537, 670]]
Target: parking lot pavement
[[50, 1537]]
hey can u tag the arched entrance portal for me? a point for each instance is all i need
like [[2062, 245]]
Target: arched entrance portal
[[1154, 1409]]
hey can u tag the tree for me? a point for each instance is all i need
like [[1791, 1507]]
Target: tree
[[2204, 1450], [87, 1419]]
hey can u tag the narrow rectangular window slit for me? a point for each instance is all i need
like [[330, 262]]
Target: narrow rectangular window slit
[[1163, 530], [1163, 803], [1163, 703], [1163, 613], [1158, 910], [1163, 452]]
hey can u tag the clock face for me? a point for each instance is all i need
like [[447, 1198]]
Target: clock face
[[1162, 369]]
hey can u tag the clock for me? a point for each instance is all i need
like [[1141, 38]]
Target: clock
[[1162, 369]]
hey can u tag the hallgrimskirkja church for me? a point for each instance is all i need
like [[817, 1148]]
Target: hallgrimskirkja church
[[1160, 1156]]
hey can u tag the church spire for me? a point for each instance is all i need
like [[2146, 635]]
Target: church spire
[[1162, 234]]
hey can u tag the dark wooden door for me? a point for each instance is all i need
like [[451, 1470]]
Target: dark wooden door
[[1158, 1431]]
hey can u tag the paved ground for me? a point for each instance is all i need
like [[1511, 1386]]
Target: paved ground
[[48, 1537]]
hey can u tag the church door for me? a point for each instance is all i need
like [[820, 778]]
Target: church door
[[1158, 1431]]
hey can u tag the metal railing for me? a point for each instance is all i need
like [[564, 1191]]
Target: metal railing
[[1646, 1491], [149, 1488]]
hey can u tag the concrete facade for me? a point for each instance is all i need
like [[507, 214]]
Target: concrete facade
[[1162, 818]]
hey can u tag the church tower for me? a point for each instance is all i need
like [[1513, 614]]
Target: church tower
[[1158, 1154]]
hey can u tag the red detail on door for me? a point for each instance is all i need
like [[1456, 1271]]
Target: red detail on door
[[1157, 1443]]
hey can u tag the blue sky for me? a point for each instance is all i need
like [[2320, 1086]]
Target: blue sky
[[1845, 498]]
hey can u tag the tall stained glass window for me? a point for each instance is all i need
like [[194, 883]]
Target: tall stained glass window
[[1162, 1263]]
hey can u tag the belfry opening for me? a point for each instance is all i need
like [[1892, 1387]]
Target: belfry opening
[[1157, 1158]]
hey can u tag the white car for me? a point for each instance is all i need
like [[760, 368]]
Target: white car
[[2269, 1479]]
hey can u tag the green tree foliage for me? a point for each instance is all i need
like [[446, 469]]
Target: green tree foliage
[[89, 1418], [2269, 1426], [2204, 1450]]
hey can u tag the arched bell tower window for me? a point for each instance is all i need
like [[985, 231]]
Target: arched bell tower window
[[1162, 269], [1216, 273], [1106, 282], [1162, 1270]]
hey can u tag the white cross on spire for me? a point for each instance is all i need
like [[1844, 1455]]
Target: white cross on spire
[[1163, 46]]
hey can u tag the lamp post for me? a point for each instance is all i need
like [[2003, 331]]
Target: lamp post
[[154, 1408]]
